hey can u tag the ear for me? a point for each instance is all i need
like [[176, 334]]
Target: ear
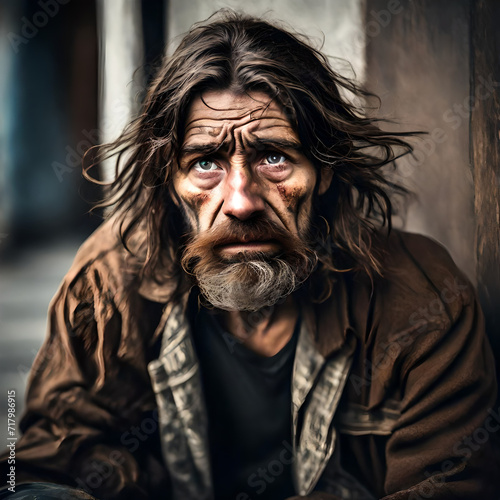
[[325, 179]]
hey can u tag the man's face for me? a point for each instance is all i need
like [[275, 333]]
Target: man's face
[[246, 188]]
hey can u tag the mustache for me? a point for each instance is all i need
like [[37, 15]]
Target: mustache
[[237, 231], [201, 248]]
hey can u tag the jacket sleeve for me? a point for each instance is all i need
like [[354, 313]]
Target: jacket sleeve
[[83, 398], [444, 444]]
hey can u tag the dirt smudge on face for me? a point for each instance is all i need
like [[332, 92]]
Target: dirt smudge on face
[[290, 196], [198, 200]]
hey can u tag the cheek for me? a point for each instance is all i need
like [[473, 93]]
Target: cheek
[[292, 196], [198, 200], [191, 197], [195, 201], [194, 204], [297, 200]]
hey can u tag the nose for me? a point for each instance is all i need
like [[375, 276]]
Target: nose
[[242, 198]]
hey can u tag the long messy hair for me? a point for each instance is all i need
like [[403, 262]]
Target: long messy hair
[[240, 53]]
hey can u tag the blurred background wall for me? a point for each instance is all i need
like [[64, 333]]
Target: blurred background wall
[[75, 71], [436, 67]]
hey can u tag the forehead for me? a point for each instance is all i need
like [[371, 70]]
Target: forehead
[[215, 114]]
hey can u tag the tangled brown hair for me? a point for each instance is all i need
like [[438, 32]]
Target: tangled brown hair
[[242, 54]]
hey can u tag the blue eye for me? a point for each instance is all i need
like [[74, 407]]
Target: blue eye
[[275, 159], [205, 166]]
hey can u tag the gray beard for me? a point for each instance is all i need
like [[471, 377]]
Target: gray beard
[[250, 285]]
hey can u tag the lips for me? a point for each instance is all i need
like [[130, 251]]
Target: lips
[[245, 241], [235, 246]]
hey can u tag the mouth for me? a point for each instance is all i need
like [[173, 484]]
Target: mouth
[[235, 247]]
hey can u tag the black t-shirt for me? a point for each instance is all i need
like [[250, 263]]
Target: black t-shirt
[[248, 399]]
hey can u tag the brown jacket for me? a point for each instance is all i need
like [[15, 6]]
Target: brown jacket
[[416, 418]]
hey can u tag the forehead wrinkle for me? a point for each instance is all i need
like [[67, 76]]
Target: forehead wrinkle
[[238, 139], [222, 134], [190, 123], [225, 142], [236, 122], [264, 104], [220, 138], [260, 123], [237, 134], [242, 140], [220, 114], [204, 130]]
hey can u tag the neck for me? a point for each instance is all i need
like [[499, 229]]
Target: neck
[[265, 331]]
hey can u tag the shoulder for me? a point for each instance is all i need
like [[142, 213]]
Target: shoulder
[[103, 244], [100, 295], [423, 312], [416, 253], [102, 269], [421, 287]]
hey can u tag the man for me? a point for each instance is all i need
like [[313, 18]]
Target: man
[[245, 325]]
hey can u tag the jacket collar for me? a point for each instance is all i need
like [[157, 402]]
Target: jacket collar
[[329, 323], [323, 360]]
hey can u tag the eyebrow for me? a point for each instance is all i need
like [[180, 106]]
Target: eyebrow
[[207, 148], [262, 143], [258, 144]]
